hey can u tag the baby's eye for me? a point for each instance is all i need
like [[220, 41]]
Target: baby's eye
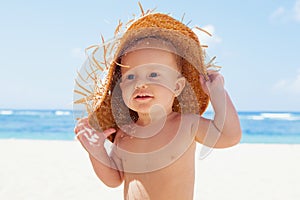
[[130, 77], [153, 75]]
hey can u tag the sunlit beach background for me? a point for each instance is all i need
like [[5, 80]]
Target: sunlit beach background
[[42, 48]]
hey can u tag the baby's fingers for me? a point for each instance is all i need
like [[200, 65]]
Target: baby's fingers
[[90, 136], [203, 84], [215, 78], [80, 125], [212, 74], [109, 131]]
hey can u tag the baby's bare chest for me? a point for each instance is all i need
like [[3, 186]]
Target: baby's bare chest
[[143, 157], [148, 154]]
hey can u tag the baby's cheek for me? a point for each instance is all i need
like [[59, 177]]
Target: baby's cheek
[[126, 94], [170, 85]]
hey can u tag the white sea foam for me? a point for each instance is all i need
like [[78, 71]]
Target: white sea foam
[[6, 112], [35, 112], [30, 113], [275, 116], [256, 117], [60, 112]]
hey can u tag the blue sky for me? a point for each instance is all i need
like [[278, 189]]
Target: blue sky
[[257, 43]]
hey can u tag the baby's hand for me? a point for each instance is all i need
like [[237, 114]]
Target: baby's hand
[[214, 84], [91, 139]]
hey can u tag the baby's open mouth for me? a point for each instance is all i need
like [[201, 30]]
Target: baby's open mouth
[[143, 96]]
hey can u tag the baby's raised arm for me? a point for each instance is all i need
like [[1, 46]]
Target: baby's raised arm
[[224, 130], [105, 166]]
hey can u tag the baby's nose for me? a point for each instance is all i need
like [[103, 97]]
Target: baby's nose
[[141, 84]]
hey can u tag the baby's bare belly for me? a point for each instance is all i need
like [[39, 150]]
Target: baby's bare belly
[[159, 187], [175, 181]]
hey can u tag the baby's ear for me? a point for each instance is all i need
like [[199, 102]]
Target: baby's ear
[[179, 85]]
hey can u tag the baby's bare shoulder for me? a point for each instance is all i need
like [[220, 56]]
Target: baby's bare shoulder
[[190, 119], [192, 122]]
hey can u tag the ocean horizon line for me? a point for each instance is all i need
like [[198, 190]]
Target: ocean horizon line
[[68, 109], [58, 124], [253, 115]]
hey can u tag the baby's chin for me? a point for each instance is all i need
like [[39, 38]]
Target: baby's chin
[[153, 109]]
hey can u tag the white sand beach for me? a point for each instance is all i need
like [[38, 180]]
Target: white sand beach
[[60, 170]]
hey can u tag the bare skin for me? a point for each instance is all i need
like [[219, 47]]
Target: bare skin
[[159, 165], [166, 163]]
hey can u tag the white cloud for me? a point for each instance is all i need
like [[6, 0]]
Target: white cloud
[[287, 14], [204, 38], [297, 10], [291, 86], [78, 53], [279, 12]]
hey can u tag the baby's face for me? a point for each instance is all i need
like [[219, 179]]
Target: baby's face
[[150, 78]]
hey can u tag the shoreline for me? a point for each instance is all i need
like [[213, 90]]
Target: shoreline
[[59, 169]]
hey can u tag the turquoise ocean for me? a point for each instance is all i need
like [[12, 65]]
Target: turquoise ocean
[[257, 127]]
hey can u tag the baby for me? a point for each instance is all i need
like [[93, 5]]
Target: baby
[[153, 79]]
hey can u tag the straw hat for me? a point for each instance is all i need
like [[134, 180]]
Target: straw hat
[[108, 109]]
